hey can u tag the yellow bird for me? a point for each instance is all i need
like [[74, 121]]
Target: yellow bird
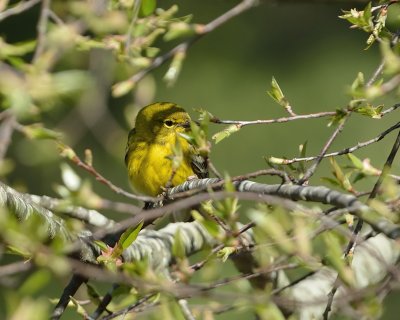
[[150, 148]]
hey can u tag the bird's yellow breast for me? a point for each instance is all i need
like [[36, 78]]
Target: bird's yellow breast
[[150, 167]]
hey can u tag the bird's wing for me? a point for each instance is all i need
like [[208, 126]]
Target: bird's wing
[[199, 166], [128, 145]]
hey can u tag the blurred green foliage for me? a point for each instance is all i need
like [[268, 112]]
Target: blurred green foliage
[[80, 86]]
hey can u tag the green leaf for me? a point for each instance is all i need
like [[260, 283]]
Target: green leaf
[[273, 229], [92, 293], [219, 136], [17, 49], [35, 282], [204, 116], [101, 245], [228, 185], [175, 68], [338, 117], [342, 178], [66, 151], [359, 176], [276, 93], [178, 247], [303, 152], [274, 160], [71, 180], [369, 110], [225, 253], [147, 7], [390, 58], [18, 251], [331, 181], [122, 88], [129, 236], [360, 19], [178, 30], [211, 227], [37, 131], [151, 52], [335, 257], [355, 161], [79, 309], [177, 155], [358, 86]]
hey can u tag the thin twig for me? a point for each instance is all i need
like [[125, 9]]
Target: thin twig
[[391, 109], [68, 292], [56, 18], [241, 123], [376, 74], [15, 268], [17, 9], [346, 150], [248, 276], [200, 264], [390, 85], [183, 304], [310, 171], [89, 168], [104, 303], [213, 169], [41, 29], [374, 192], [6, 131], [119, 206], [135, 12], [130, 308], [352, 243]]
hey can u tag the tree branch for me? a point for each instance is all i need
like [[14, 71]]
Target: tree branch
[[17, 9]]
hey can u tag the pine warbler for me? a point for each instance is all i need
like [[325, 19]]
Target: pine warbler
[[150, 146]]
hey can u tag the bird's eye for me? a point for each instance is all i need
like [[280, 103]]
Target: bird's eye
[[168, 123]]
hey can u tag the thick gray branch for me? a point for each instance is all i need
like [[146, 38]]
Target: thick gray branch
[[24, 207], [318, 194]]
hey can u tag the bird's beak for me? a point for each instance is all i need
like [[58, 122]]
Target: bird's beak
[[185, 125]]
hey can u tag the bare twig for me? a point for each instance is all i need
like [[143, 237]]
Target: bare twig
[[390, 85], [15, 268], [135, 12], [56, 18], [346, 150], [374, 192], [130, 308], [376, 74], [41, 29], [213, 169], [183, 304], [200, 264], [310, 171], [119, 206], [69, 291], [17, 9], [104, 303], [6, 130], [352, 243], [391, 109], [278, 120], [89, 168]]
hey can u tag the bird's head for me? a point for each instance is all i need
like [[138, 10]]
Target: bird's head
[[162, 119]]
